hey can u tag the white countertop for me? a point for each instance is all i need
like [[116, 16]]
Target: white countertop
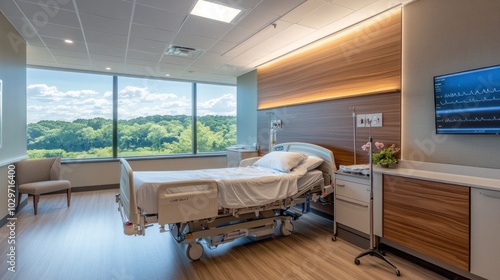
[[485, 178]]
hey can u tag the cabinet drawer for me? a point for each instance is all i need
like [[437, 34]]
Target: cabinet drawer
[[353, 214], [352, 190]]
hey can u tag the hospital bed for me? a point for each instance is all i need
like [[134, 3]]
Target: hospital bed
[[219, 205]]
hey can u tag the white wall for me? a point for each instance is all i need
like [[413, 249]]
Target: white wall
[[442, 37], [13, 76]]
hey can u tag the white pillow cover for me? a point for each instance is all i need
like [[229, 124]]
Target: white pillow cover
[[282, 161], [312, 162]]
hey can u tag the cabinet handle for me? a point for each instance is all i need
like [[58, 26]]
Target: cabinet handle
[[492, 194], [347, 201]]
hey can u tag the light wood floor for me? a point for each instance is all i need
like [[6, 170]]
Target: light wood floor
[[86, 241]]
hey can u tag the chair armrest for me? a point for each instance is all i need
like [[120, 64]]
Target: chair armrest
[[248, 161]]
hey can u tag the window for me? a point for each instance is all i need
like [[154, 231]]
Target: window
[[70, 114], [216, 117], [154, 117]]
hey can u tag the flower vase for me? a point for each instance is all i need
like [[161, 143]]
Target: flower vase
[[387, 165]]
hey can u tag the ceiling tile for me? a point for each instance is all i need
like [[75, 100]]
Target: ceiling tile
[[211, 59], [205, 27], [108, 25], [181, 7], [324, 15], [68, 54], [106, 50], [301, 11], [353, 4], [61, 32], [51, 6], [222, 47], [72, 60], [278, 7], [151, 33], [238, 34], [103, 38], [10, 10], [138, 61], [158, 18], [40, 15], [106, 58], [193, 41], [154, 57], [58, 44], [145, 45], [117, 9]]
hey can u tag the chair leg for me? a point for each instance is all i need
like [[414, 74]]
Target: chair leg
[[68, 194], [19, 197], [36, 198]]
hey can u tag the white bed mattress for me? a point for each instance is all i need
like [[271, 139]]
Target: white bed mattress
[[237, 187]]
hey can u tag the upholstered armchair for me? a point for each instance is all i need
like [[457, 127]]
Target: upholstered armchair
[[39, 176]]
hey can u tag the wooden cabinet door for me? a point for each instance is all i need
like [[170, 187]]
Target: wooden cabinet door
[[428, 217]]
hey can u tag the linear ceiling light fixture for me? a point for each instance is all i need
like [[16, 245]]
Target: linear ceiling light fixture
[[214, 11]]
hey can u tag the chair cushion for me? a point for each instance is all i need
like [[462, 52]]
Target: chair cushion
[[35, 170], [44, 187]]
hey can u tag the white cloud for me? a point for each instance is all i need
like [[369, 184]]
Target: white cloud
[[49, 103], [52, 93], [223, 105]]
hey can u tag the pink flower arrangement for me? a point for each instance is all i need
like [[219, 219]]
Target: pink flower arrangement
[[383, 156], [366, 147]]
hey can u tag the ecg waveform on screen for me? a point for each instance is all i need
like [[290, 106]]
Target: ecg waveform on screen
[[469, 100], [469, 120], [471, 93]]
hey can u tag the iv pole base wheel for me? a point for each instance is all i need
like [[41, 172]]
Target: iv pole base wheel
[[376, 253]]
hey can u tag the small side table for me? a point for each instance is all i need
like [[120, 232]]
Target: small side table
[[235, 155]]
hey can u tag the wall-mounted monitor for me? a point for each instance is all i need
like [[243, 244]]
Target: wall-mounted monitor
[[468, 102]]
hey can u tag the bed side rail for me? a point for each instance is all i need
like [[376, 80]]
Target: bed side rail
[[180, 202], [127, 197]]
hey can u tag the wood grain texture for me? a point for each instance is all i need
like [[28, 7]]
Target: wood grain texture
[[330, 124], [86, 241], [429, 217], [364, 59]]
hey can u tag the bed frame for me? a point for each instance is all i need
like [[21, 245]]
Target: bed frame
[[194, 216]]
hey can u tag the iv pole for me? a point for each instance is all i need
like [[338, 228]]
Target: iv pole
[[373, 251], [354, 122], [272, 132]]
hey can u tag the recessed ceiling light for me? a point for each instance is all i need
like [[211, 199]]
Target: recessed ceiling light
[[167, 75], [68, 41], [108, 68], [214, 11]]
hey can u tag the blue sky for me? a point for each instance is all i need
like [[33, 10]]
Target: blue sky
[[58, 95]]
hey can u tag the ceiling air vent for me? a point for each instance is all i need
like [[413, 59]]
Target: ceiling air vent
[[183, 52]]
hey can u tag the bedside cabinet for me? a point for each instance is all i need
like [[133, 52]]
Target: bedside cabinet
[[234, 156], [352, 202]]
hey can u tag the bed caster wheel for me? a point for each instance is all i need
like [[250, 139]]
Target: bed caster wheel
[[286, 228], [194, 251], [398, 273], [334, 238], [356, 262]]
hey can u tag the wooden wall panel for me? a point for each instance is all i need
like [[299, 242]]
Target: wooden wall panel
[[429, 217], [361, 60], [330, 124]]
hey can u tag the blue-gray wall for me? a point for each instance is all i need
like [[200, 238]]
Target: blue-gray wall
[[247, 108]]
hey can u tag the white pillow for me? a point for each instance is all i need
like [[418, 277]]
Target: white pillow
[[282, 161], [311, 163]]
